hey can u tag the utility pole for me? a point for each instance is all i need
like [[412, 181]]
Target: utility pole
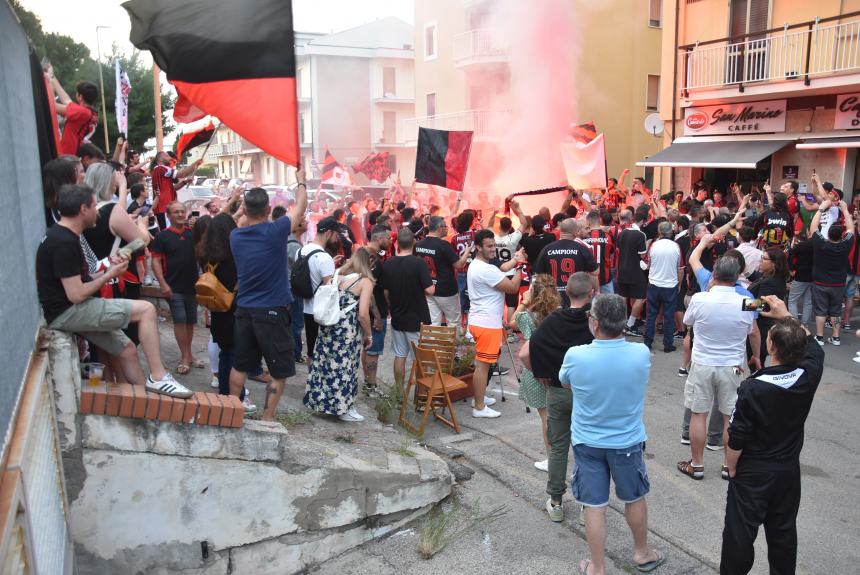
[[102, 89], [156, 93]]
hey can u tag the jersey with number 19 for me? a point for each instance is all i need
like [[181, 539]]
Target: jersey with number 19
[[561, 259]]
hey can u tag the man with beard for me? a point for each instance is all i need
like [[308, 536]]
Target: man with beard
[[321, 265]]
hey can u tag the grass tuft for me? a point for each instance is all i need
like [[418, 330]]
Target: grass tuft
[[345, 438], [451, 522]]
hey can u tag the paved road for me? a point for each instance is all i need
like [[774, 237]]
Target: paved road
[[685, 516]]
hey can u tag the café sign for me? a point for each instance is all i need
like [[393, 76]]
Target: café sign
[[847, 112], [742, 118]]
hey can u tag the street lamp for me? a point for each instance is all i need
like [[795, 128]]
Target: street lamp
[[102, 88]]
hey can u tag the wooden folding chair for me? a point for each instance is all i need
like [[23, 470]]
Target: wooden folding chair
[[428, 376], [442, 340]]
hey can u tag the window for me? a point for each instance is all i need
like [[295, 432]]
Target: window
[[655, 13], [389, 127], [268, 166], [652, 98], [430, 41], [391, 162], [431, 104], [389, 81]]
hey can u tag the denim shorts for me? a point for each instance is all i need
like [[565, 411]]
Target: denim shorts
[[378, 339], [183, 308], [851, 286], [593, 467]]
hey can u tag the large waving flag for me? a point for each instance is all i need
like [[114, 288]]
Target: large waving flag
[[123, 89], [374, 166], [585, 164], [583, 133], [230, 59], [442, 158], [333, 173]]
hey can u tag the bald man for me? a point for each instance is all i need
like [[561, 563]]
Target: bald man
[[566, 256]]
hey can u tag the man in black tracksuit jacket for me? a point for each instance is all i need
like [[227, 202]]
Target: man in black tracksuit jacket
[[763, 452]]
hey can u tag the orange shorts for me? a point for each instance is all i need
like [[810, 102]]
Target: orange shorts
[[488, 342]]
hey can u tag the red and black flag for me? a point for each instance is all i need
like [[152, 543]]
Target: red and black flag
[[194, 138], [583, 133], [329, 164], [442, 158], [374, 166], [230, 59]]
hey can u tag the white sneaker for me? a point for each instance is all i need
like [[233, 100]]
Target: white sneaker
[[168, 386], [486, 412], [487, 401], [856, 358], [148, 280], [351, 416], [834, 341], [542, 465], [214, 383], [246, 403]]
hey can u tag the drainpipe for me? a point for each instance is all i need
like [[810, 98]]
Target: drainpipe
[[674, 87]]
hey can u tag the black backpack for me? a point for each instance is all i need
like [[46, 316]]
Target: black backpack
[[300, 276]]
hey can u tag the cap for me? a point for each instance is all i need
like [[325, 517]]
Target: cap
[[326, 224]]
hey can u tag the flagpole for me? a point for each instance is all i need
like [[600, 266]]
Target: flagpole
[[102, 88], [209, 143], [156, 89]]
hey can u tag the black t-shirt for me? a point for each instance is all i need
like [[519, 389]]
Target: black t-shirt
[[176, 250], [221, 326], [405, 278], [775, 228], [650, 228], [830, 260], [800, 261], [631, 243], [378, 287], [534, 245], [561, 259], [684, 245], [59, 256], [440, 257], [548, 345]]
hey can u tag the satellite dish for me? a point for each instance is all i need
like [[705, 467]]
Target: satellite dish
[[653, 124]]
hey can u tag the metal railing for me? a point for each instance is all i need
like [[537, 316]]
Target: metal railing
[[484, 123], [479, 44], [225, 149], [815, 48]]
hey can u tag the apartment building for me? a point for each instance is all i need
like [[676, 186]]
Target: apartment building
[[760, 89], [355, 88], [463, 76]]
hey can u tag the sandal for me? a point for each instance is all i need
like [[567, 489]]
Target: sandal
[[198, 363], [262, 378], [724, 472], [649, 566], [182, 369], [583, 566], [695, 471]]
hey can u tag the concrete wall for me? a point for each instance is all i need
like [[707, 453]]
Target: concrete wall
[[439, 75], [151, 497], [341, 105], [21, 214]]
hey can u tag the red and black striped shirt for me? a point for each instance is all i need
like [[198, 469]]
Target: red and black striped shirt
[[603, 248]]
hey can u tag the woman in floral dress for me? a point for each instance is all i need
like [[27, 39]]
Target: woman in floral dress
[[333, 378], [541, 300]]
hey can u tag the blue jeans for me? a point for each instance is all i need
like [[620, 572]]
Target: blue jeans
[[464, 292], [297, 310], [668, 297], [225, 364]]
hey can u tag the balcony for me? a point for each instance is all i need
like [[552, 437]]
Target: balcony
[[225, 149], [479, 47], [486, 124], [792, 56]]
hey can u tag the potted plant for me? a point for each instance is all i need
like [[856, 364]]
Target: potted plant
[[464, 366]]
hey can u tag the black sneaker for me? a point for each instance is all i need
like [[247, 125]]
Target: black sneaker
[[669, 348], [679, 335], [497, 371], [828, 324], [847, 326], [682, 372], [633, 332]]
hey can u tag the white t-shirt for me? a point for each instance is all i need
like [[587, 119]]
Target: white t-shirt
[[828, 218], [506, 247], [487, 303], [321, 265], [665, 260], [721, 327]]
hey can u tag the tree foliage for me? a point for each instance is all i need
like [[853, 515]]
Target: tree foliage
[[73, 62]]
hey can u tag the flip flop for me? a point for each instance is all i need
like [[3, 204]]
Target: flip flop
[[649, 566], [583, 566], [182, 369]]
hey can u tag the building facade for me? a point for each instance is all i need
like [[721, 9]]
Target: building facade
[[464, 76], [760, 89], [355, 89]]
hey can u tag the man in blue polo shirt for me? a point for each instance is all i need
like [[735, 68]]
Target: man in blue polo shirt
[[607, 431], [263, 326]]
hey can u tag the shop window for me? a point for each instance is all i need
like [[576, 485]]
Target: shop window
[[655, 13], [652, 98]]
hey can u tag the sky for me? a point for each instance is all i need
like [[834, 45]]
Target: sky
[[309, 16]]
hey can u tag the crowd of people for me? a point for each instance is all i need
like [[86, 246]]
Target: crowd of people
[[732, 276]]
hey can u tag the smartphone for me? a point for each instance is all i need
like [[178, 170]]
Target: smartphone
[[195, 214], [754, 304], [144, 209]]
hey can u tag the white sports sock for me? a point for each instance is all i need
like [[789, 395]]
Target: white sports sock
[[631, 321]]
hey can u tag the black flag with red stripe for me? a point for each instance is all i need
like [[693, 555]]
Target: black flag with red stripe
[[442, 157], [194, 138], [230, 59]]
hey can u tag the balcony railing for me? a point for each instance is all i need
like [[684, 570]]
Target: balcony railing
[[479, 46], [485, 124], [816, 48], [225, 149]]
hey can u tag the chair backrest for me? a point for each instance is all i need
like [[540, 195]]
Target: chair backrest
[[442, 340], [426, 361]]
